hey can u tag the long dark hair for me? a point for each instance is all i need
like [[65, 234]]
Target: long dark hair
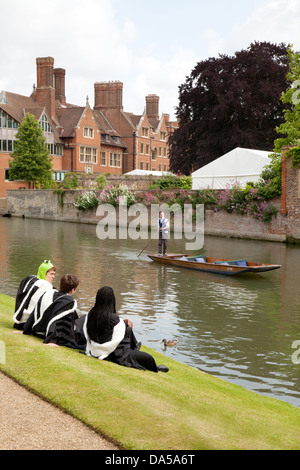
[[98, 322]]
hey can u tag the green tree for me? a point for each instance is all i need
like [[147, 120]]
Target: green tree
[[290, 128], [30, 161]]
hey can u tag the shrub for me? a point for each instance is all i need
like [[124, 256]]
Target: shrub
[[70, 181], [86, 200], [116, 195], [167, 182], [100, 181]]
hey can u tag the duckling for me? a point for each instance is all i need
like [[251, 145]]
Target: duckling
[[172, 342]]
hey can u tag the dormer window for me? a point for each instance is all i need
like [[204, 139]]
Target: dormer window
[[45, 124]]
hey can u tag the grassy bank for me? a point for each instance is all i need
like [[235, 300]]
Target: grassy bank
[[183, 409]]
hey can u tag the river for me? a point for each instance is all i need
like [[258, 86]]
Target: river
[[240, 328]]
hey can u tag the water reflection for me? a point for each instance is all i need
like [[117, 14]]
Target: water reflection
[[238, 328]]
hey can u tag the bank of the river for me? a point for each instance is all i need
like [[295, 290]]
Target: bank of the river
[[183, 409], [47, 205]]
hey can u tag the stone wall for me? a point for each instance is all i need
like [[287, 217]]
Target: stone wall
[[45, 204]]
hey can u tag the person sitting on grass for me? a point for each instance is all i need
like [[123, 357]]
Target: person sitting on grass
[[30, 290], [54, 317], [111, 338]]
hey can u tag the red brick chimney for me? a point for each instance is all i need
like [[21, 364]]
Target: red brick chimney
[[59, 84], [152, 102], [109, 95], [45, 91]]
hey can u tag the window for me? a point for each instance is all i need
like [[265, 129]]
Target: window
[[88, 155], [88, 132], [45, 124], [103, 158], [147, 149], [81, 155], [145, 131], [115, 159], [58, 175], [162, 136], [142, 148]]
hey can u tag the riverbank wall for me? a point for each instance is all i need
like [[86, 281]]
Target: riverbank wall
[[45, 204], [285, 227]]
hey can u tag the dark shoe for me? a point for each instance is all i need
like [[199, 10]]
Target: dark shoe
[[163, 369]]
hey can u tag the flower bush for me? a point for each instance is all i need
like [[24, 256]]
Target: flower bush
[[251, 200], [116, 196], [247, 201], [86, 200], [112, 194]]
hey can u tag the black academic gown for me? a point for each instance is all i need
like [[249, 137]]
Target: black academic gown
[[29, 292], [54, 320], [126, 352]]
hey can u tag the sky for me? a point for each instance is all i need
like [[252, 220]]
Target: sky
[[149, 46]]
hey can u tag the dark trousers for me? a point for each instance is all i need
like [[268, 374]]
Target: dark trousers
[[144, 359], [162, 243]]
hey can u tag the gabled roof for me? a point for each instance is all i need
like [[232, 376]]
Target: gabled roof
[[18, 101], [109, 136], [17, 106], [69, 119], [133, 119]]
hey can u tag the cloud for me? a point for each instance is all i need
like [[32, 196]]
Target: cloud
[[273, 21], [150, 52]]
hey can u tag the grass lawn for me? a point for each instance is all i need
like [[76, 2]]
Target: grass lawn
[[184, 409]]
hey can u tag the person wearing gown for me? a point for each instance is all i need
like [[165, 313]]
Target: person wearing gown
[[54, 317], [108, 337], [30, 290]]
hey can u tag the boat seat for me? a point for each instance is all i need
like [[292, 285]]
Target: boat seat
[[239, 262], [198, 258]]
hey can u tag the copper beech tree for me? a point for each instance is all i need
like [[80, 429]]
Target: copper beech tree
[[230, 102]]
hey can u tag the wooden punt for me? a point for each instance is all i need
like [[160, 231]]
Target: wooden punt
[[213, 265]]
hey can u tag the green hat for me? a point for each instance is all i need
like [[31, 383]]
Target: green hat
[[44, 267]]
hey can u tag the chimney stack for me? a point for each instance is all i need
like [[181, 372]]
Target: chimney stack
[[59, 79], [108, 95], [152, 102], [45, 91]]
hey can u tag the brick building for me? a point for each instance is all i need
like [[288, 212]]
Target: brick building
[[103, 139], [145, 135]]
